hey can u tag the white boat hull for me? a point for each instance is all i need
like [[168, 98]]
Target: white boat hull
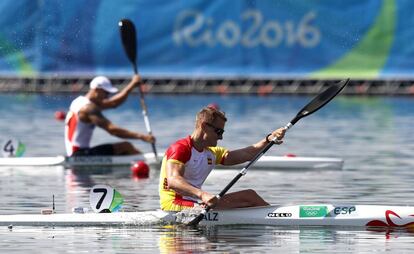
[[317, 215], [296, 163], [76, 161], [265, 162], [298, 215]]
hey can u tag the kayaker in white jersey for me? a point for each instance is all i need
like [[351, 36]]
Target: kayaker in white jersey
[[189, 161], [86, 112]]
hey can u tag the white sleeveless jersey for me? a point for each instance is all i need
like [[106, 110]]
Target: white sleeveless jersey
[[77, 133]]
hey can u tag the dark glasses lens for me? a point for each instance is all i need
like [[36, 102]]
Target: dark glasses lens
[[218, 131]]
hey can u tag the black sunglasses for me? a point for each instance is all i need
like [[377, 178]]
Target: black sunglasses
[[218, 131]]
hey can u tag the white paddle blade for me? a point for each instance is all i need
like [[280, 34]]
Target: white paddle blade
[[104, 198]]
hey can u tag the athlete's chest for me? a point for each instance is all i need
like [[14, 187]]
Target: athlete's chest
[[200, 163]]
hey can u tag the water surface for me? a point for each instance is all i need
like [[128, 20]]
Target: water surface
[[372, 134]]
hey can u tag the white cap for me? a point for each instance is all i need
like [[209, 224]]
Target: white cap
[[103, 83]]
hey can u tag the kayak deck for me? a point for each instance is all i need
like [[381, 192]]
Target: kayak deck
[[265, 162], [297, 215]]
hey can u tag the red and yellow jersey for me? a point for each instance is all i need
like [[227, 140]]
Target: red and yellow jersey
[[198, 166]]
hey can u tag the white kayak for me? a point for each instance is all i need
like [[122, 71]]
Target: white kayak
[[295, 215], [76, 161], [265, 162]]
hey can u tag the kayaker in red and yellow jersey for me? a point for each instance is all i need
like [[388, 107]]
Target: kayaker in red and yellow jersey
[[188, 162], [86, 112]]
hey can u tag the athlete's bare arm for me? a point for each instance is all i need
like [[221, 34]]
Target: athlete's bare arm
[[177, 182], [247, 153], [120, 97], [91, 114]]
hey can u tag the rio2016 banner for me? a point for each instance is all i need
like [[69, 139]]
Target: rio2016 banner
[[202, 39]]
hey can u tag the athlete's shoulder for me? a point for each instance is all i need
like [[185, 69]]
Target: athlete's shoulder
[[80, 100], [216, 149], [219, 152], [180, 150], [79, 103]]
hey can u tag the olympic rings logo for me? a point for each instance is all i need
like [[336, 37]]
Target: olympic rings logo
[[313, 213]]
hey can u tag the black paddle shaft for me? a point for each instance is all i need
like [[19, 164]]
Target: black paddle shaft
[[318, 102]]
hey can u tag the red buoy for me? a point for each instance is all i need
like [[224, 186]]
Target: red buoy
[[140, 169], [60, 115], [290, 155]]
